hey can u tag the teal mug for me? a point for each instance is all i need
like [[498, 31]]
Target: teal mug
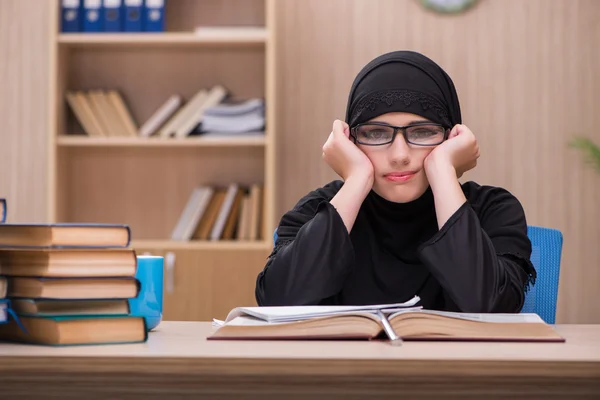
[[149, 301]]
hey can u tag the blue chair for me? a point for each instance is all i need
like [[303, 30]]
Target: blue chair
[[546, 250]]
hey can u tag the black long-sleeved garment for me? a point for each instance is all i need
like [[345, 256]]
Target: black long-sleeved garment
[[477, 262]]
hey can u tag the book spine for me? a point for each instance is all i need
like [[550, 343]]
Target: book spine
[[2, 210]]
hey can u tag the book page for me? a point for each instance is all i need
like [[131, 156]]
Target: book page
[[483, 317], [246, 320], [297, 313]]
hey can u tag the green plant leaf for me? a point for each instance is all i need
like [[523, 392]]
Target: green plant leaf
[[590, 149]]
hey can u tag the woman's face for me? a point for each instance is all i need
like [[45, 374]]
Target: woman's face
[[398, 166]]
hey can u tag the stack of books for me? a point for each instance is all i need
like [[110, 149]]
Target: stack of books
[[69, 284], [234, 117]]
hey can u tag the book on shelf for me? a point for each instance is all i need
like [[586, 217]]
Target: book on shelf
[[183, 114], [406, 320], [214, 96], [102, 113], [125, 16], [210, 111], [161, 115], [223, 227], [234, 117], [193, 211], [221, 213], [190, 115], [3, 287]]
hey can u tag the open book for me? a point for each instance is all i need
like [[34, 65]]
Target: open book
[[369, 322]]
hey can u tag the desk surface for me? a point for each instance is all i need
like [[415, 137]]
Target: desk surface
[[181, 349]]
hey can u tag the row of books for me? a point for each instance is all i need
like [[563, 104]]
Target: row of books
[[217, 213], [104, 113], [112, 16], [207, 111], [68, 284]]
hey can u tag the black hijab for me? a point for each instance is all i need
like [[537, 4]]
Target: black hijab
[[403, 81], [400, 81]]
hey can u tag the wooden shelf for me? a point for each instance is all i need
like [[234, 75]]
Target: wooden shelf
[[147, 182], [227, 245], [194, 141], [209, 36]]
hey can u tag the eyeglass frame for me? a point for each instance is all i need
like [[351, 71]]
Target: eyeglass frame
[[396, 129]]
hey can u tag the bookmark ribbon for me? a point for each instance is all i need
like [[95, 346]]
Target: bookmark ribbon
[[12, 313]]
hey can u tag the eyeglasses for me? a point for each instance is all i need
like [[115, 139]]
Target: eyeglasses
[[379, 133]]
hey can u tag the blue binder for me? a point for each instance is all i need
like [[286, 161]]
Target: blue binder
[[92, 17], [112, 15], [71, 16], [154, 15], [133, 16]]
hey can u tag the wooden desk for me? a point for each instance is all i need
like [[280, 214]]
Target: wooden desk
[[177, 361]]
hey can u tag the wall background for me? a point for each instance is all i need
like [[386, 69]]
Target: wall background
[[527, 73]]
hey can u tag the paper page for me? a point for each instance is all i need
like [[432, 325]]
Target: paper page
[[297, 313], [484, 317], [245, 320]]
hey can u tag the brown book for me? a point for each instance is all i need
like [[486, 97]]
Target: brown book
[[243, 228], [64, 235], [209, 217], [72, 288], [3, 287], [234, 215], [102, 113], [83, 112], [126, 121], [61, 262], [76, 330], [256, 200], [335, 322], [48, 308]]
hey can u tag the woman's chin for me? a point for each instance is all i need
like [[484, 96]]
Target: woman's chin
[[400, 193]]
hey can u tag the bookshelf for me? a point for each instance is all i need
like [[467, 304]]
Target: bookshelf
[[145, 182], [215, 141], [217, 37]]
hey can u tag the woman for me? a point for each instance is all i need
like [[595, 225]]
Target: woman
[[400, 223]]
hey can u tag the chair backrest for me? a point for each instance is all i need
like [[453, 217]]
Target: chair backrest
[[546, 250]]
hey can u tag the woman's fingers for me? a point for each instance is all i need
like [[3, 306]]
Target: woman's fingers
[[341, 128]]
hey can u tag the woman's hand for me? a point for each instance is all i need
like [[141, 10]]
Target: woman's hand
[[460, 152], [355, 168], [444, 165], [344, 157]]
